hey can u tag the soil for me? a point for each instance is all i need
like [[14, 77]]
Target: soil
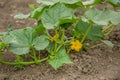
[[101, 63]]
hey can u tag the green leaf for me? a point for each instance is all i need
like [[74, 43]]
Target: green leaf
[[40, 28], [75, 5], [60, 59], [36, 13], [22, 16], [20, 41], [19, 49], [52, 16], [108, 43], [103, 17], [52, 2], [94, 34], [92, 2], [40, 43], [50, 48], [91, 13], [115, 3], [65, 23]]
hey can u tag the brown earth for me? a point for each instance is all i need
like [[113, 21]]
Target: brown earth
[[101, 63]]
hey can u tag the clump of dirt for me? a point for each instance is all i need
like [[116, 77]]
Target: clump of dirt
[[9, 9], [101, 63]]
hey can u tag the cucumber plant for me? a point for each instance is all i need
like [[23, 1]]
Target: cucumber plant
[[58, 17]]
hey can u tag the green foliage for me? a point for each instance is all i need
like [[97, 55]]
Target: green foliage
[[53, 16], [92, 2], [40, 28], [115, 3], [95, 32], [2, 45], [40, 43], [36, 13], [22, 16], [103, 17], [59, 59], [109, 43], [59, 30], [20, 41], [52, 2]]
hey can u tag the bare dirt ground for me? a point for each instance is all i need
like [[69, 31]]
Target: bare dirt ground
[[102, 63]]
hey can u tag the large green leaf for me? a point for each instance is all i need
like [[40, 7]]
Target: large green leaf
[[103, 17], [52, 16], [40, 43], [52, 2], [115, 3], [94, 34], [60, 59], [20, 41]]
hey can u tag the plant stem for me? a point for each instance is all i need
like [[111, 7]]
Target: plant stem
[[63, 35], [34, 55], [62, 42], [112, 28], [25, 63], [59, 47], [96, 46], [47, 33], [55, 48], [68, 50], [86, 33], [39, 55], [106, 28], [18, 58]]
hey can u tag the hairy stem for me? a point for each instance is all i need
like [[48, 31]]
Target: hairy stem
[[68, 51], [106, 28], [62, 40], [96, 45], [34, 55], [112, 28], [25, 63]]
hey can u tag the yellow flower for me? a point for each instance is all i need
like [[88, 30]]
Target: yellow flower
[[76, 45], [54, 38]]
